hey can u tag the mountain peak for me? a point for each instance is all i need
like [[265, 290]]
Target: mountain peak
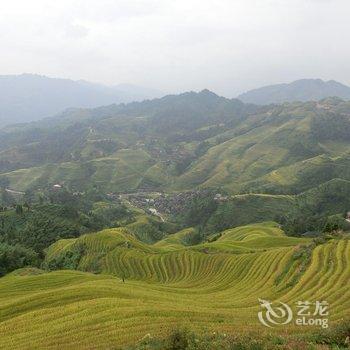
[[208, 93], [299, 90]]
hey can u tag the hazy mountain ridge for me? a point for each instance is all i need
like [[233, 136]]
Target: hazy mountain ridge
[[28, 97], [299, 90]]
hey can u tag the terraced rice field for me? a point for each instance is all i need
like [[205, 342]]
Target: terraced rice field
[[213, 286]]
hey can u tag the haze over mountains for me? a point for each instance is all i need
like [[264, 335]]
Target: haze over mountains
[[28, 97], [299, 90]]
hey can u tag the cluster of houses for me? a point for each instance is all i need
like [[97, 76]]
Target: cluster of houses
[[174, 204]]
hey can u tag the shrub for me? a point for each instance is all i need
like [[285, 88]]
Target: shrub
[[13, 257]]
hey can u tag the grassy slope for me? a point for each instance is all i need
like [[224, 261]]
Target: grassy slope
[[251, 150], [219, 291], [124, 170], [177, 240], [329, 198], [252, 238], [304, 174], [276, 151]]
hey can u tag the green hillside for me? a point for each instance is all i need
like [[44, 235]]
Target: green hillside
[[167, 284], [313, 208], [125, 171], [177, 143]]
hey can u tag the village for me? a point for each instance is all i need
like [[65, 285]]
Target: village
[[163, 204]]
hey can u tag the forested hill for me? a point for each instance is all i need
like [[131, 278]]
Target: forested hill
[[181, 142]]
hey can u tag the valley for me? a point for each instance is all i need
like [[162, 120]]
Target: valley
[[122, 223]]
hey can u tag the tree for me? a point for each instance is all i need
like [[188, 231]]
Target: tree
[[42, 230], [19, 209], [15, 257]]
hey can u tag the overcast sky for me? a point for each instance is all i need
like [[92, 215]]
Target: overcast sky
[[228, 46]]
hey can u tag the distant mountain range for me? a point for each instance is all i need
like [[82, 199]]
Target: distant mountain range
[[299, 90], [29, 97]]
